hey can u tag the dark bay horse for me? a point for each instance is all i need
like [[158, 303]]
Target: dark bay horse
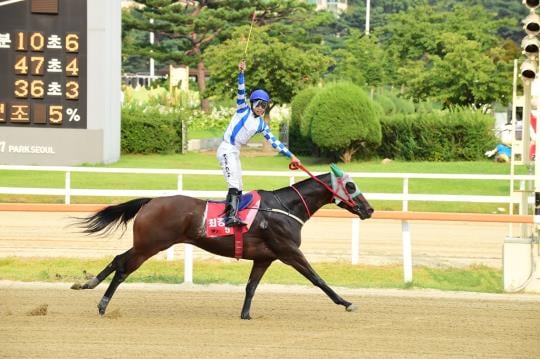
[[274, 234]]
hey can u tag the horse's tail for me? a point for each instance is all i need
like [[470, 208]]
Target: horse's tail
[[111, 217]]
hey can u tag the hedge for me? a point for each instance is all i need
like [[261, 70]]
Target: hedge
[[298, 142], [150, 131], [452, 136]]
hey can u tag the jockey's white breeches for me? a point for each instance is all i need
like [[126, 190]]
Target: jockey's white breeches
[[229, 159]]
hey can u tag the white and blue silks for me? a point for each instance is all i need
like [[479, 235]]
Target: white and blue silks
[[243, 126]]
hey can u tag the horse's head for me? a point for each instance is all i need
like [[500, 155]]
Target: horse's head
[[348, 195]]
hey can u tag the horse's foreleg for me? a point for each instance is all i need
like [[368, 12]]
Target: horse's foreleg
[[93, 282], [257, 271], [126, 264], [111, 267], [300, 263], [118, 278]]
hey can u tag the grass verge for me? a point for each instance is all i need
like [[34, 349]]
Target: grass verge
[[473, 279], [255, 160]]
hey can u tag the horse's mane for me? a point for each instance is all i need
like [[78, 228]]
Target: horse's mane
[[303, 183]]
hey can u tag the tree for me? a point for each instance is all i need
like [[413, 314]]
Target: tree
[[280, 68], [463, 77], [426, 44], [511, 11], [185, 29], [344, 120], [359, 61], [355, 16]]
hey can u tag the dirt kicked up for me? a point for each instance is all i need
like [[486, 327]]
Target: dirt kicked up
[[51, 321]]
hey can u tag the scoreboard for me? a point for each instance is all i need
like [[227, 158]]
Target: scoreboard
[[60, 81], [43, 63]]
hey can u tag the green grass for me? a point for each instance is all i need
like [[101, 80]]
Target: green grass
[[253, 160], [206, 133], [472, 279]]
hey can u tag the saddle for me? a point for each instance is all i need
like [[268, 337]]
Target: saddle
[[214, 220]]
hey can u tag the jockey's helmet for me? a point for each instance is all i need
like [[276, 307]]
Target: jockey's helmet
[[259, 95]]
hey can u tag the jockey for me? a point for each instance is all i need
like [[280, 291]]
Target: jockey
[[246, 122]]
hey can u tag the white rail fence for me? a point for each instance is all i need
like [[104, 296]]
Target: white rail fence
[[405, 196]]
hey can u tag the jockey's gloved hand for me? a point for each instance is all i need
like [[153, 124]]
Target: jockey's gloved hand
[[295, 163]]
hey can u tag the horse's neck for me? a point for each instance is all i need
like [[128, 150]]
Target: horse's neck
[[314, 194]]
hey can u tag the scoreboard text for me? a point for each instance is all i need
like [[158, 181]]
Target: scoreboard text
[[43, 63]]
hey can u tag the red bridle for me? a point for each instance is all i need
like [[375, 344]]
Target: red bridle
[[348, 201]]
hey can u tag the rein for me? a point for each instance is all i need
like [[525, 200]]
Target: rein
[[347, 201]]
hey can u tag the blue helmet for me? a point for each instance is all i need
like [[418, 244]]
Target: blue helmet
[[259, 95]]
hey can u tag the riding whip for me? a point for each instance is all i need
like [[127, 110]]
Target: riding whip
[[249, 34]]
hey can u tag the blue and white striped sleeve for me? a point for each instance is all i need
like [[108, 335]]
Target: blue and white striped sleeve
[[276, 144], [241, 104]]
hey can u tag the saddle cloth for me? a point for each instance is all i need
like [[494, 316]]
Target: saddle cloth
[[214, 220]]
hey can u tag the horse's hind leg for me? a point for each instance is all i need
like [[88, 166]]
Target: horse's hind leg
[[300, 263], [257, 271]]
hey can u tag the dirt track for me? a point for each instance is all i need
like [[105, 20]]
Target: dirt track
[[184, 323]]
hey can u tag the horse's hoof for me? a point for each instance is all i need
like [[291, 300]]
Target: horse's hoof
[[245, 317], [101, 312], [76, 286], [102, 306], [351, 308], [90, 284]]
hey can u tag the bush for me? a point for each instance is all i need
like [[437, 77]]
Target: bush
[[426, 107], [298, 142], [462, 135], [403, 105], [150, 131], [219, 118], [344, 120], [391, 103], [298, 108], [399, 137], [387, 105]]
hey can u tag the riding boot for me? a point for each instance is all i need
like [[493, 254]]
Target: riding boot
[[231, 208]]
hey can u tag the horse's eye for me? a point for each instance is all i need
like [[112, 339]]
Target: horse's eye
[[351, 187]]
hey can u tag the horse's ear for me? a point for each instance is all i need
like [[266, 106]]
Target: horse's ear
[[335, 169]]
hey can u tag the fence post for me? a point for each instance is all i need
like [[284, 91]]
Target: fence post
[[180, 183], [179, 186], [188, 263], [67, 194], [407, 252], [170, 253], [170, 250], [406, 236], [355, 247]]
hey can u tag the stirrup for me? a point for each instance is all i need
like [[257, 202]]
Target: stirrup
[[234, 222]]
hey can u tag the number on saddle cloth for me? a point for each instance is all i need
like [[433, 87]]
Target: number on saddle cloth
[[215, 210]]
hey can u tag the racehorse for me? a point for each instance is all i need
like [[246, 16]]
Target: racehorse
[[274, 234]]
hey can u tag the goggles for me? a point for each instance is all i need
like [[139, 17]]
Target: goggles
[[260, 103]]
